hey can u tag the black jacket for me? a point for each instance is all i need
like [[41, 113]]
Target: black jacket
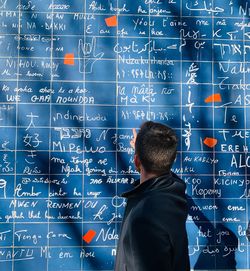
[[153, 235]]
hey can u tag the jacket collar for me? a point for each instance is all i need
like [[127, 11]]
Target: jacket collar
[[150, 184]]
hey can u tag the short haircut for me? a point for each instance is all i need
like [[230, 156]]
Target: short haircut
[[156, 147]]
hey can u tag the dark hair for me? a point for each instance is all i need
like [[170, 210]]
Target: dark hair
[[156, 146]]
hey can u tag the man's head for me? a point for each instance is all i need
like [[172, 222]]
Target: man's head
[[155, 148]]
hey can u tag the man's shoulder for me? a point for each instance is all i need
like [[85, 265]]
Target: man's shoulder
[[169, 188], [176, 178], [166, 200], [162, 201], [158, 211]]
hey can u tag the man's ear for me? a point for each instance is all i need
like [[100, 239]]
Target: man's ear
[[137, 163]]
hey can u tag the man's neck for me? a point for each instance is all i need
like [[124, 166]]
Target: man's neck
[[146, 176]]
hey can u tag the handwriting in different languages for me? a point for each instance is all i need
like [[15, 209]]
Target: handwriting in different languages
[[75, 79]]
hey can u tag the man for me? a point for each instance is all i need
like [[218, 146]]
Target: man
[[153, 235]]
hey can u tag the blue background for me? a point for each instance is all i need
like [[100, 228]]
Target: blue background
[[65, 156]]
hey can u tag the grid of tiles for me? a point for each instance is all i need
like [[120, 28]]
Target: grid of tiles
[[75, 78]]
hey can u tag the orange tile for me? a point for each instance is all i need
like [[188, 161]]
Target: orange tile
[[88, 237], [111, 21], [69, 59], [210, 142], [213, 98]]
